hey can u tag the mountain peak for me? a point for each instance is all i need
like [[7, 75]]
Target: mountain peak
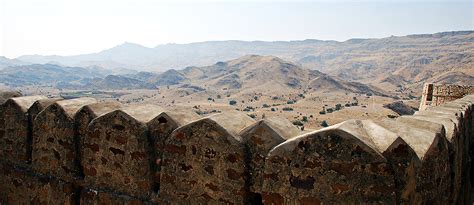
[[129, 45]]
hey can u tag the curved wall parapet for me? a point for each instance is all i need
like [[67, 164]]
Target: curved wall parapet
[[81, 151]]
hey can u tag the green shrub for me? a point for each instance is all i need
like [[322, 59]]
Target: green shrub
[[324, 123], [298, 123]]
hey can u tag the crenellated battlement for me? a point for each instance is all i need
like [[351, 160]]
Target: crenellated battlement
[[80, 151], [438, 94]]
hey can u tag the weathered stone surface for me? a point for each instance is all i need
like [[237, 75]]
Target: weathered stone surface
[[429, 142], [438, 94], [82, 119], [203, 161], [401, 158], [117, 153], [54, 143], [419, 159], [7, 94], [40, 105], [464, 133], [19, 186], [91, 111], [15, 141], [95, 197], [160, 130], [458, 153], [330, 166], [259, 139]]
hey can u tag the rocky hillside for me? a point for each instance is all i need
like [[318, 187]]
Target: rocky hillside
[[249, 73], [67, 77], [253, 72], [414, 58]]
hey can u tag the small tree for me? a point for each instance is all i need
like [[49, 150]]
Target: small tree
[[298, 123], [305, 119], [232, 102], [324, 123], [287, 109]]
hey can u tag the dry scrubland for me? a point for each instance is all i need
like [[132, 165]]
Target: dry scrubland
[[306, 106]]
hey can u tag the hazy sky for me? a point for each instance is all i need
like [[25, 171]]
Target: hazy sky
[[68, 27]]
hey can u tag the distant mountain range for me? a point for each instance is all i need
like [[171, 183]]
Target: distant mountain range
[[249, 73], [390, 63]]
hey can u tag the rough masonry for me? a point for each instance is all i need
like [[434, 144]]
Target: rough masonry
[[80, 151]]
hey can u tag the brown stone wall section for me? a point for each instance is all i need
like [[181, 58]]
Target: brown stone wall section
[[438, 94], [40, 105], [428, 140], [459, 134], [14, 143], [82, 119], [7, 94], [95, 197], [259, 139], [160, 130], [4, 96], [116, 151], [89, 112], [203, 162], [54, 152], [458, 148], [329, 166], [401, 158], [20, 186], [419, 159]]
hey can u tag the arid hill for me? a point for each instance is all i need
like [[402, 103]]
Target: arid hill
[[253, 73], [396, 63]]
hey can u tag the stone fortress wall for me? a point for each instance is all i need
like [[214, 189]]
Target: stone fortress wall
[[79, 151], [437, 94]]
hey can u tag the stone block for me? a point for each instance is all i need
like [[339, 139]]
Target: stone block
[[20, 186], [328, 166], [160, 130], [54, 144], [95, 197], [259, 139], [15, 139], [401, 158], [40, 105], [7, 94], [117, 152], [203, 162], [428, 140], [91, 111]]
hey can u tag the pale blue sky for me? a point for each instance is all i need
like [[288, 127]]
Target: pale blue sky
[[68, 27]]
